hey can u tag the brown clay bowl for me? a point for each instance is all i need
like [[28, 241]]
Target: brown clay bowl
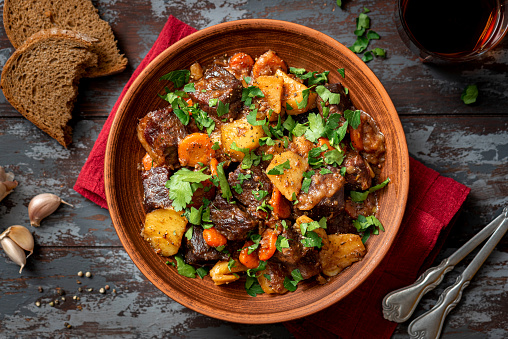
[[299, 46]]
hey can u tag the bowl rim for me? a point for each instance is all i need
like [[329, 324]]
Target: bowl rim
[[289, 314]]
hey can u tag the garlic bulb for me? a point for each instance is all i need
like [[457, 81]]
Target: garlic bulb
[[7, 183], [15, 241], [43, 205]]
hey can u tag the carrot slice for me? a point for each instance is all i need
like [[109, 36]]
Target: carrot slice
[[267, 245], [213, 166], [356, 137], [147, 162], [195, 148], [214, 238], [241, 62], [249, 260], [281, 206]]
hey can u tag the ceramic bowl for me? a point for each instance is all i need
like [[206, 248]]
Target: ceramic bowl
[[301, 47]]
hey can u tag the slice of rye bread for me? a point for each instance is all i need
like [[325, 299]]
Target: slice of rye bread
[[41, 79], [23, 18]]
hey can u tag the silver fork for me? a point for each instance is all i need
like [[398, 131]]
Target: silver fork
[[399, 305]]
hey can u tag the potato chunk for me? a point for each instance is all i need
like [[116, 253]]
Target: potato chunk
[[272, 88], [289, 182], [164, 229], [339, 252], [293, 94], [221, 274], [243, 134]]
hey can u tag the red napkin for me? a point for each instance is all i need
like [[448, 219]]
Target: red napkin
[[432, 204]]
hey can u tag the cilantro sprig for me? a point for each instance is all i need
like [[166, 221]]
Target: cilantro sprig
[[361, 196], [180, 189], [368, 225], [364, 34]]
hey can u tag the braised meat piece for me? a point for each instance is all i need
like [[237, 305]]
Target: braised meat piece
[[250, 187], [373, 141], [277, 274], [198, 251], [296, 251], [156, 195], [344, 103], [159, 133], [358, 173], [326, 190], [231, 220], [218, 83], [308, 266]]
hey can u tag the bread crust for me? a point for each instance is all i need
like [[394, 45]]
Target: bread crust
[[63, 132], [45, 14]]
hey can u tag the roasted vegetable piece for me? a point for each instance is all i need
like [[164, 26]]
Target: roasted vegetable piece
[[214, 238], [267, 64], [267, 244], [281, 205], [293, 95], [339, 252], [243, 134], [272, 88], [195, 148], [223, 273], [164, 229], [289, 182], [249, 260]]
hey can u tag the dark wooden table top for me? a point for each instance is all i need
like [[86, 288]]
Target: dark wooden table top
[[468, 143]]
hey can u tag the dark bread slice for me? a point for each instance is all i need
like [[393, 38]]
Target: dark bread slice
[[23, 18], [41, 79]]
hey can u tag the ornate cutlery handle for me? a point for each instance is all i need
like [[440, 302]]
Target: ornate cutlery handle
[[430, 324], [399, 305]]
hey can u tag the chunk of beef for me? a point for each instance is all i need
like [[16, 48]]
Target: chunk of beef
[[358, 174], [308, 266], [197, 251], [277, 275], [326, 192], [218, 83], [250, 187], [231, 220], [344, 103], [156, 195], [296, 251], [373, 140], [159, 133]]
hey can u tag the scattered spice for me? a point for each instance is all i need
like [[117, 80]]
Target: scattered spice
[[80, 273], [51, 304], [78, 282], [38, 303], [40, 289], [80, 289], [88, 274], [102, 290], [106, 287], [90, 289]]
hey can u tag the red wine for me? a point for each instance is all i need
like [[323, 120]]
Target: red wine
[[452, 28]]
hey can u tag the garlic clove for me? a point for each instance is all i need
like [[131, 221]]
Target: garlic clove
[[14, 252], [43, 205], [7, 183], [22, 237]]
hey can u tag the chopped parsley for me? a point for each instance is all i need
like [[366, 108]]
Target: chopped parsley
[[259, 195], [291, 284], [202, 272], [279, 169], [326, 95], [353, 117], [223, 182], [368, 225], [361, 196], [184, 269], [252, 286], [222, 108], [179, 186], [342, 72], [251, 92], [282, 242], [307, 181], [470, 94], [178, 78]]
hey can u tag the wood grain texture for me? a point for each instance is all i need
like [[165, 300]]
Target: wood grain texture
[[466, 143]]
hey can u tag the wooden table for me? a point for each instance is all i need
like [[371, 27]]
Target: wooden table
[[466, 143]]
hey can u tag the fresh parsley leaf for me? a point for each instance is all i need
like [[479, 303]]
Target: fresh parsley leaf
[[311, 239], [361, 196], [316, 78], [324, 171], [224, 185], [189, 88], [367, 225], [334, 157], [342, 72], [231, 264], [252, 286], [308, 227], [316, 127], [305, 99], [183, 116], [296, 71], [279, 169], [241, 177], [379, 52], [238, 188], [256, 238], [222, 108], [183, 268], [194, 215], [252, 118], [178, 78], [179, 186], [359, 45], [299, 130], [266, 141], [288, 107], [291, 285], [363, 21], [371, 35], [470, 94], [264, 207], [294, 199], [188, 234], [353, 117], [289, 124], [202, 272], [251, 272], [282, 242], [259, 195], [326, 95], [216, 146], [212, 102], [339, 3], [251, 92], [367, 56], [307, 181], [343, 171]]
